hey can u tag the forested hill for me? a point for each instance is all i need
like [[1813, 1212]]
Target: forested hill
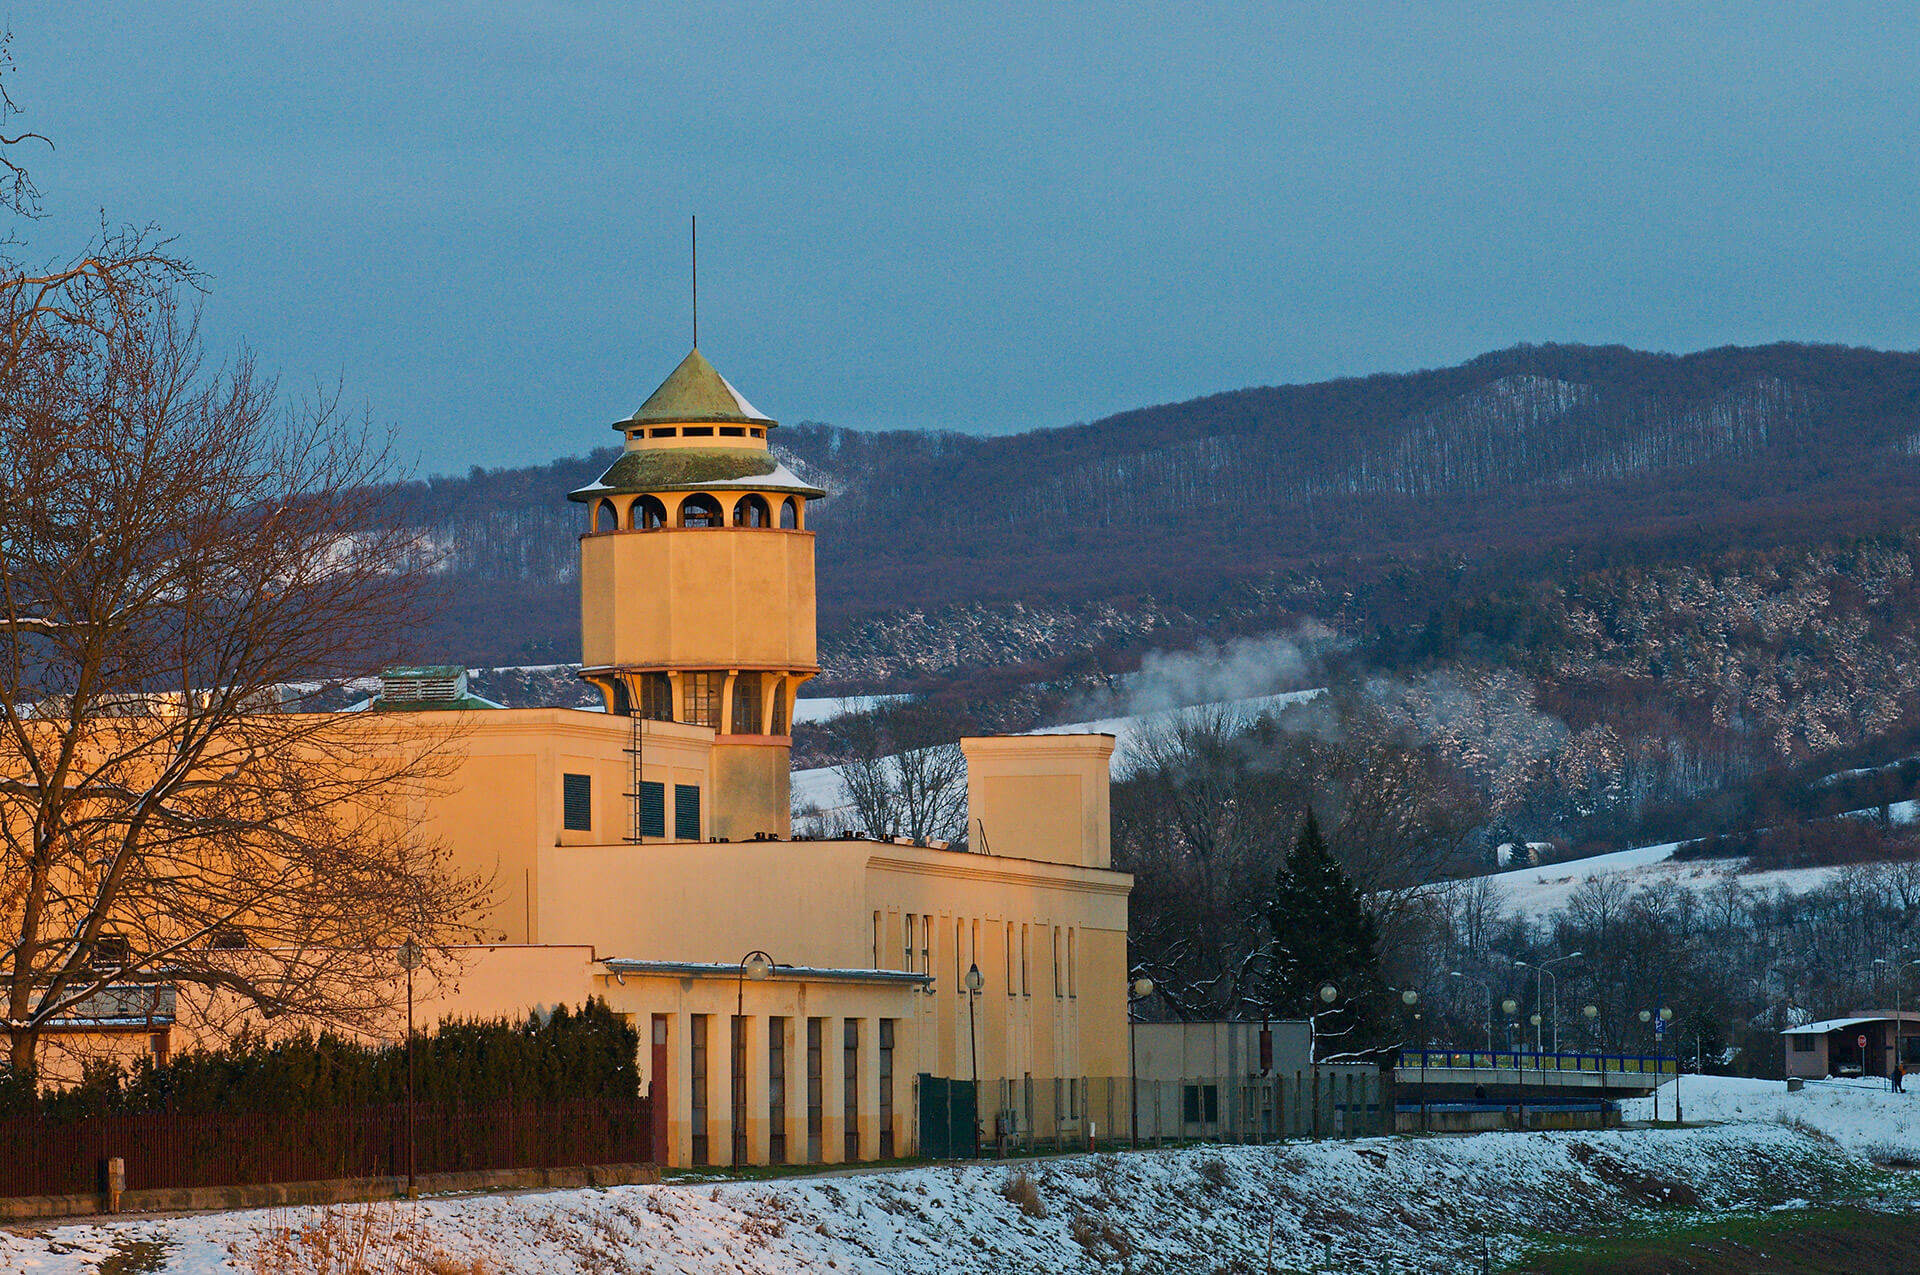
[[1351, 500]]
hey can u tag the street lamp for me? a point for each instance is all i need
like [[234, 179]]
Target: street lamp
[[1328, 994], [1899, 981], [1139, 991], [758, 966], [1488, 987], [1509, 1006], [1411, 998], [410, 957], [975, 981], [1545, 968]]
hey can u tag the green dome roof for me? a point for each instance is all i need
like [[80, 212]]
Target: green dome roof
[[692, 468], [694, 391]]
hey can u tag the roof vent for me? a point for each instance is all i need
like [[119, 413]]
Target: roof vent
[[425, 683]]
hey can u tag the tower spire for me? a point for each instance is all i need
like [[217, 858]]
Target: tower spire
[[694, 242]]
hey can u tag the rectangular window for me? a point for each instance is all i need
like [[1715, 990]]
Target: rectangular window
[[686, 812], [926, 945], [876, 939], [1073, 982], [816, 1087], [906, 929], [746, 704], [653, 809], [1200, 1104], [1803, 1044], [779, 726], [739, 1106], [701, 691], [698, 1116], [886, 1089], [1058, 989], [777, 1090], [850, 1095], [959, 950], [576, 803], [1026, 988], [1012, 988], [656, 697]]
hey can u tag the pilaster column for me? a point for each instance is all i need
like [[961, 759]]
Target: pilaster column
[[756, 1028], [833, 1091]]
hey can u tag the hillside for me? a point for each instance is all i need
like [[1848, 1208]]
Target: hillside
[[1356, 502]]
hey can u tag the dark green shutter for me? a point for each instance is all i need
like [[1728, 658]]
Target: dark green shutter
[[576, 802], [686, 812], [653, 809]]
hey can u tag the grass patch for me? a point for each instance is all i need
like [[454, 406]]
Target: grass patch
[[1818, 1240]]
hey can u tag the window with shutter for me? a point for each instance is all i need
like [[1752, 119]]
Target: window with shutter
[[576, 803], [686, 812], [653, 809]]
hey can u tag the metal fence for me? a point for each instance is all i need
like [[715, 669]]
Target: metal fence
[[1526, 1060], [40, 1157], [1329, 1101]]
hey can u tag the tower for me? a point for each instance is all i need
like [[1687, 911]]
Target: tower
[[696, 588]]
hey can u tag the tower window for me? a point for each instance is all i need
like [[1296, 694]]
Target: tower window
[[701, 510], [699, 431], [656, 697], [779, 726], [790, 515], [605, 517], [752, 512], [668, 432], [646, 514], [746, 704], [702, 698], [733, 431], [576, 803], [686, 812]]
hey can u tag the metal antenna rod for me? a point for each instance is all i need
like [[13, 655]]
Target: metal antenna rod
[[695, 239]]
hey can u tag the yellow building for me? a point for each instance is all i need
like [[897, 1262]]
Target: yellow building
[[643, 853]]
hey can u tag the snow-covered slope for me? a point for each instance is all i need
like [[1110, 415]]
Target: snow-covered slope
[[1379, 1204], [1536, 893], [1861, 1115]]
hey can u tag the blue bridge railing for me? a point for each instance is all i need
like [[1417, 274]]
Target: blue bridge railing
[[1527, 1060]]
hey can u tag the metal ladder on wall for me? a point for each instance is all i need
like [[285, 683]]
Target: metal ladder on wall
[[634, 741]]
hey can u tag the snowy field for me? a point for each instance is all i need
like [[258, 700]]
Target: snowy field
[[1415, 1204], [1860, 1115], [1536, 893]]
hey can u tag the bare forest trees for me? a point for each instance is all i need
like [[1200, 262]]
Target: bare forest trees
[[1207, 816], [176, 551]]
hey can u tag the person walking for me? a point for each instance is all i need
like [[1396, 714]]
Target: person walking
[[1899, 1077]]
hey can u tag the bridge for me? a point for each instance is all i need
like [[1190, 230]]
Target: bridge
[[1509, 1075]]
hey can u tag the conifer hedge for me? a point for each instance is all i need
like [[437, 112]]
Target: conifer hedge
[[565, 1056]]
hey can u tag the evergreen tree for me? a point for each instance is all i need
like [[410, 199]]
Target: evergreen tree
[[1323, 934]]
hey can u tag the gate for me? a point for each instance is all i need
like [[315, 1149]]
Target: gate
[[949, 1121]]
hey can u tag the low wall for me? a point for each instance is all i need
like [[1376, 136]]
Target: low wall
[[1478, 1118], [274, 1194]]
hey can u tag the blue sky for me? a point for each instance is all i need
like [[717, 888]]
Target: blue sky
[[984, 218]]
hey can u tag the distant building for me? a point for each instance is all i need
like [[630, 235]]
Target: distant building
[[1865, 1043]]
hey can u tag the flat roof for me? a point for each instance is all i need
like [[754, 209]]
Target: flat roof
[[1826, 1025], [798, 973]]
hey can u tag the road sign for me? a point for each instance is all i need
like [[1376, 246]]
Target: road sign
[[1860, 1041], [1659, 1029]]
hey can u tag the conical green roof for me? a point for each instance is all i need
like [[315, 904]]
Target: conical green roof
[[695, 392]]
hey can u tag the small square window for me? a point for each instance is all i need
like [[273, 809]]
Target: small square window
[[576, 802]]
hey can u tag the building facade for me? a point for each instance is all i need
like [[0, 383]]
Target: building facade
[[787, 992]]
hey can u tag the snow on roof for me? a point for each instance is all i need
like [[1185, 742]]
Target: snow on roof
[[713, 969], [1826, 1025]]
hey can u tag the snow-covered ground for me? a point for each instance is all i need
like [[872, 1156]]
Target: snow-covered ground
[[1861, 1115], [1412, 1204]]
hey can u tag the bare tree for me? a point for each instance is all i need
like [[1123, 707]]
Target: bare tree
[[176, 549], [904, 774]]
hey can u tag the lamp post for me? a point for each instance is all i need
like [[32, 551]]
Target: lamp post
[[410, 956], [1545, 970], [758, 966], [1509, 1007], [1488, 988], [1900, 969], [1140, 989], [1328, 994], [1411, 998], [975, 981]]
